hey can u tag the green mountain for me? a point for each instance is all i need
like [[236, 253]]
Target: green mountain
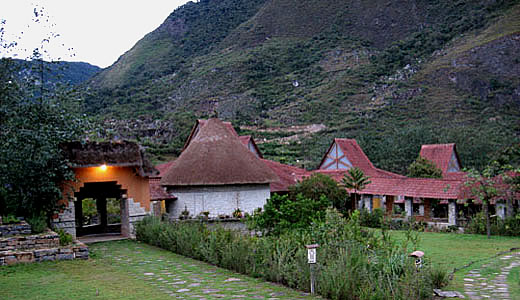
[[393, 74], [72, 73]]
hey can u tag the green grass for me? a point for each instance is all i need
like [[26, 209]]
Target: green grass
[[513, 280], [132, 270], [454, 251]]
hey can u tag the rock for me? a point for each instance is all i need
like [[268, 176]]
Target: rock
[[448, 294]]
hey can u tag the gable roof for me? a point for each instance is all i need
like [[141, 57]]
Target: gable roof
[[357, 158], [249, 142], [441, 155], [117, 154], [215, 156]]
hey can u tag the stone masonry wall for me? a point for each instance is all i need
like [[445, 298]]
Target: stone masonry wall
[[15, 229], [66, 220], [48, 240], [76, 251], [135, 214], [37, 247], [218, 200]]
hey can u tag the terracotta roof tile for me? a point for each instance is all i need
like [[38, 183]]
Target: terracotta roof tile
[[440, 155], [288, 175], [246, 139], [409, 187], [358, 159], [157, 192]]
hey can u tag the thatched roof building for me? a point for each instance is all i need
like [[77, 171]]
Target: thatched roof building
[[216, 156], [116, 154]]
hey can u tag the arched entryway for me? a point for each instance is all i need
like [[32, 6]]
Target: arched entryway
[[99, 208]]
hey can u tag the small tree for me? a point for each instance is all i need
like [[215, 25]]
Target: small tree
[[356, 181], [319, 185], [484, 187], [423, 168]]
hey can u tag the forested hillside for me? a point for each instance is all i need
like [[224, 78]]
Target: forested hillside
[[392, 74], [64, 72]]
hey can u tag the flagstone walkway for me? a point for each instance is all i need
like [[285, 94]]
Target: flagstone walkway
[[490, 280], [183, 278]]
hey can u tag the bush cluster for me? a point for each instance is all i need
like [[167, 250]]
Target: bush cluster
[[352, 263], [508, 227]]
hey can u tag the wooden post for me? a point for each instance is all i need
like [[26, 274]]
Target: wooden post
[[311, 257]]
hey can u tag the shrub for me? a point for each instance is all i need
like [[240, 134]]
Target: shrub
[[38, 223], [282, 213], [319, 185], [65, 238], [507, 227], [10, 219], [352, 263], [372, 219]]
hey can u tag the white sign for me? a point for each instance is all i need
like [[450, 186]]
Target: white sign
[[311, 255]]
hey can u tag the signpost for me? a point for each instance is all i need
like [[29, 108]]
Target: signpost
[[311, 258]]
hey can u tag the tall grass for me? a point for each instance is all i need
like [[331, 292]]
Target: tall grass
[[352, 263]]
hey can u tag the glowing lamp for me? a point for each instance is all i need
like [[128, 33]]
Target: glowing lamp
[[103, 167]]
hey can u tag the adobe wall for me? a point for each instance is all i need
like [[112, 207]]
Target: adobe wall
[[137, 187], [135, 204], [218, 200]]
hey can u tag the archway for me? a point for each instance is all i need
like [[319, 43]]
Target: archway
[[99, 208]]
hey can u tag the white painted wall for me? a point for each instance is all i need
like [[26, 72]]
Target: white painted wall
[[218, 200]]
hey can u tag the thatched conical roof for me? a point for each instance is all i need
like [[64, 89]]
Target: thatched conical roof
[[216, 156]]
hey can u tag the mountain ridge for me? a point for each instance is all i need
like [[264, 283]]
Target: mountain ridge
[[392, 74]]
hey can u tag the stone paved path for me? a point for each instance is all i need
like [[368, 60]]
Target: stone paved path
[[490, 280], [183, 278]]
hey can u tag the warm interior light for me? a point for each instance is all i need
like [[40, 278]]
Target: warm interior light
[[103, 167]]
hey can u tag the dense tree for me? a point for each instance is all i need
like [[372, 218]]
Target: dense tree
[[424, 168], [306, 203], [319, 185], [34, 121]]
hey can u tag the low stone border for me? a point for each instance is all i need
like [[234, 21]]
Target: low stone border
[[78, 250], [49, 239], [15, 229]]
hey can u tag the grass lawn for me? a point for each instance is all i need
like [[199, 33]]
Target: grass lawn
[[451, 250], [514, 283], [132, 270]]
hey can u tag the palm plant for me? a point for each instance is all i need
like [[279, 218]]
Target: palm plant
[[355, 180]]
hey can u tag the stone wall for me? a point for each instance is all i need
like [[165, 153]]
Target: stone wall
[[135, 214], [22, 248], [76, 251], [218, 200], [47, 240], [66, 220], [15, 229]]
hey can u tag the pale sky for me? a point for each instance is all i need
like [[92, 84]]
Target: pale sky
[[97, 31]]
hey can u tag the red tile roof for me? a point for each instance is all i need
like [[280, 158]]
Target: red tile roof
[[157, 192], [404, 186], [163, 168], [440, 155], [246, 139], [288, 175], [358, 159]]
